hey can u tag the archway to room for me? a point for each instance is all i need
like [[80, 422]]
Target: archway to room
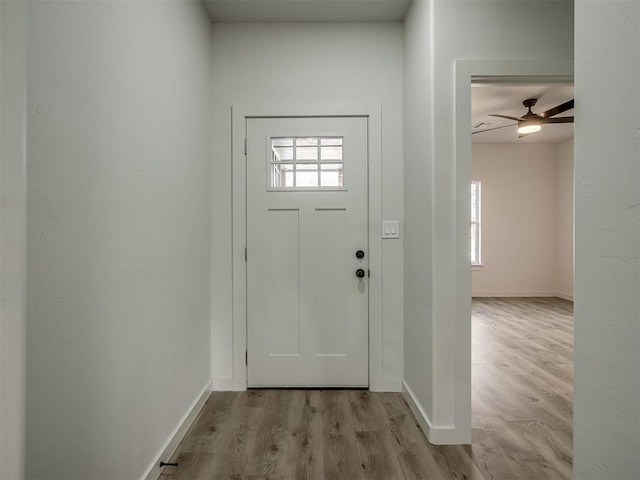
[[522, 277]]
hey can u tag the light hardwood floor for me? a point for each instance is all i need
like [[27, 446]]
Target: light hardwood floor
[[522, 413]]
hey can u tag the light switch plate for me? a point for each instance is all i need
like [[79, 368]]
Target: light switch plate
[[391, 229]]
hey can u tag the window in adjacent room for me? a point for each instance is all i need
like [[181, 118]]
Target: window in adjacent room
[[475, 223]]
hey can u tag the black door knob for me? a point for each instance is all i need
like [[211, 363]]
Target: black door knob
[[360, 273], [359, 254]]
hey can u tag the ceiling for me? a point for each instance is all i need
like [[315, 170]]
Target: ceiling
[[507, 99], [488, 95], [306, 10]]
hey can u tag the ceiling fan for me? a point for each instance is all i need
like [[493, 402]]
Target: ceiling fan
[[532, 122]]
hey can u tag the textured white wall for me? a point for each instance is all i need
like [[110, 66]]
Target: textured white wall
[[607, 279], [254, 64], [13, 109], [459, 30], [119, 229], [527, 219], [418, 239]]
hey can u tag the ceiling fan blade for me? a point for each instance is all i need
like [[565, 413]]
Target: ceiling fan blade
[[494, 128], [520, 135], [563, 107], [558, 120], [505, 116]]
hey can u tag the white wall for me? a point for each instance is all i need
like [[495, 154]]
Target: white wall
[[257, 64], [13, 108], [607, 281], [418, 237], [118, 232], [565, 220], [527, 219], [459, 30]]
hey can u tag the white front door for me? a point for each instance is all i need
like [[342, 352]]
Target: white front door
[[307, 252]]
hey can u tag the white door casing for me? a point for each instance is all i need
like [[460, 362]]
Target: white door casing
[[307, 311]]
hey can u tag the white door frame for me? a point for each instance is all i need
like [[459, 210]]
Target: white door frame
[[465, 71], [239, 115]]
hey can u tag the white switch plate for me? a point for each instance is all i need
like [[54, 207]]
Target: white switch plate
[[391, 229]]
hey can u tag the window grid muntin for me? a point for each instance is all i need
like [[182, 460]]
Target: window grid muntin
[[329, 151]]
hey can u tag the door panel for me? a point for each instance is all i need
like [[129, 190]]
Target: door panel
[[307, 311], [280, 267], [326, 299]]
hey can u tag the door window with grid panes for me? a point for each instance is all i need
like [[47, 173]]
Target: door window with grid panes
[[303, 163]]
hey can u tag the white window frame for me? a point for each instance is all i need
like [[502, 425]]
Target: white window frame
[[271, 161], [476, 262]]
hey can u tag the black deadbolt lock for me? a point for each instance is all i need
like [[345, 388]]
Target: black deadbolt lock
[[359, 254]]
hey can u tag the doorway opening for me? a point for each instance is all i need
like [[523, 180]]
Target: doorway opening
[[522, 241]]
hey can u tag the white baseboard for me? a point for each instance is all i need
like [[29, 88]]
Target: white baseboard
[[386, 386], [524, 293], [436, 434], [515, 293], [223, 384], [565, 296], [165, 453]]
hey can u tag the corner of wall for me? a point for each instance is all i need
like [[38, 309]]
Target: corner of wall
[[436, 434], [387, 385], [166, 452], [13, 99], [222, 384]]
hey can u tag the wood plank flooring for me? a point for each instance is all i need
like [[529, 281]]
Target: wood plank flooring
[[522, 416]]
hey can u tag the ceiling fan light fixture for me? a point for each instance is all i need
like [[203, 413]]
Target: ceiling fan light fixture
[[532, 122], [527, 127]]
